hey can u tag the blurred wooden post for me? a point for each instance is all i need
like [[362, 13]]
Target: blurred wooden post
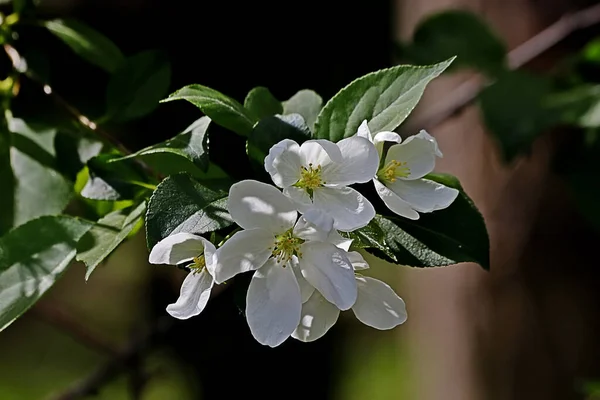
[[467, 328]]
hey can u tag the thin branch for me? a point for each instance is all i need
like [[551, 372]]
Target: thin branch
[[67, 324], [122, 361], [20, 64], [466, 93]]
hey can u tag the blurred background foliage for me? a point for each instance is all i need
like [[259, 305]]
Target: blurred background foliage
[[234, 47]]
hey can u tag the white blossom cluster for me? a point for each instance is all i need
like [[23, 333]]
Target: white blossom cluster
[[304, 273]]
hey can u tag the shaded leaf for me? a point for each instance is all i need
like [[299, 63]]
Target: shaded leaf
[[384, 98], [136, 87], [88, 43], [444, 237], [112, 180], [223, 110], [32, 257], [190, 145], [262, 103], [104, 237], [272, 130], [461, 34], [306, 103], [515, 111], [181, 204]]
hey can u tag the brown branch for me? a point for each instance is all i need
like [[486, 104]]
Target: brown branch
[[20, 64], [122, 361], [67, 324], [466, 93]]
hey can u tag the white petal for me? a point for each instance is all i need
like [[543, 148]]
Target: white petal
[[273, 304], [424, 195], [314, 225], [284, 163], [177, 248], [417, 153], [195, 292], [209, 256], [424, 135], [318, 316], [357, 260], [327, 268], [254, 204], [299, 197], [382, 137], [338, 240], [377, 304], [320, 152], [306, 289], [359, 164], [395, 203], [350, 209], [244, 251], [364, 132]]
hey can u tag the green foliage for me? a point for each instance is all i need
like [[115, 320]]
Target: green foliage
[[272, 130], [33, 185], [516, 120], [137, 85], [100, 241], [223, 110], [110, 180], [181, 204], [32, 257], [458, 33], [384, 98], [88, 43], [445, 237], [306, 103], [262, 103], [176, 154]]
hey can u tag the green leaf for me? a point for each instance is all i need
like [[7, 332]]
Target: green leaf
[[223, 110], [444, 237], [262, 103], [136, 87], [104, 237], [73, 152], [272, 130], [384, 98], [462, 34], [371, 237], [515, 111], [8, 182], [112, 180], [32, 257], [455, 234], [181, 204], [306, 103], [88, 43], [191, 145], [38, 188]]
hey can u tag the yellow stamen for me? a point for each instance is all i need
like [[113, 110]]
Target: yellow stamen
[[198, 265], [310, 178], [393, 170], [286, 246]]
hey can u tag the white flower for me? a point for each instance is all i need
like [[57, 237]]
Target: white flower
[[195, 290], [280, 249], [317, 175], [377, 305], [399, 182]]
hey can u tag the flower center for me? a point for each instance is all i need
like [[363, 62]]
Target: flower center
[[286, 246], [393, 170], [198, 265], [310, 178]]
